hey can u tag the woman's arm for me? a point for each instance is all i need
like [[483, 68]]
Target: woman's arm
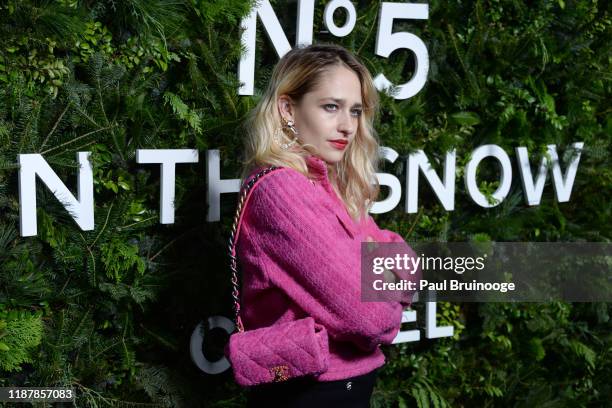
[[302, 254]]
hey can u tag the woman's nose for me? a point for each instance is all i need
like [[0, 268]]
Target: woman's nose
[[346, 122]]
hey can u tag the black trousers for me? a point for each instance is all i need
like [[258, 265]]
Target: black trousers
[[354, 392]]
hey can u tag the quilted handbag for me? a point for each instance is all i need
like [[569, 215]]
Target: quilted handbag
[[279, 352]]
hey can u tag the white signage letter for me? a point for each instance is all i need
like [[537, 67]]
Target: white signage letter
[[387, 42], [407, 335], [216, 186], [444, 190], [328, 17], [168, 159], [563, 184], [386, 179], [246, 65], [197, 340], [533, 191], [81, 210], [432, 331], [506, 175]]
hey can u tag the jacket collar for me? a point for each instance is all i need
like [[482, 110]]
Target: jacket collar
[[318, 170]]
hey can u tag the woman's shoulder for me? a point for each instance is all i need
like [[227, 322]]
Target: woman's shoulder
[[286, 178], [286, 192]]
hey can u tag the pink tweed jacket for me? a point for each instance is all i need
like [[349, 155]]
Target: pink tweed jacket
[[299, 254]]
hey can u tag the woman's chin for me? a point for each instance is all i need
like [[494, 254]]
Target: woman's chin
[[333, 157]]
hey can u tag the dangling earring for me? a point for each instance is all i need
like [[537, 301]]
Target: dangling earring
[[279, 133]]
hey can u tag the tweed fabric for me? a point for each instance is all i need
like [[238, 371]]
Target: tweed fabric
[[299, 253]]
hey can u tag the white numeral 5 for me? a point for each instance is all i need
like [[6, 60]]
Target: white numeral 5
[[387, 42]]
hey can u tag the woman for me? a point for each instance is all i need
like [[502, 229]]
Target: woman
[[299, 247]]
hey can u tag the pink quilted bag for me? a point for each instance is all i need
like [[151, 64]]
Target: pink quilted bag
[[279, 352]]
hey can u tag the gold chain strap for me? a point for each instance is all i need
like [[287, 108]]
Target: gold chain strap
[[232, 244]]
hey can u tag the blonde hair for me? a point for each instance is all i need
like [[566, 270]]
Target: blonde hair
[[298, 72]]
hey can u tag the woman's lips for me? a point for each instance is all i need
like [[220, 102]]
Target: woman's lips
[[339, 144]]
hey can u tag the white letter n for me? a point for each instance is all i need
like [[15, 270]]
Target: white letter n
[[81, 210], [246, 65]]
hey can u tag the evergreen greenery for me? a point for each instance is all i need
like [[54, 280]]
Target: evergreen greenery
[[110, 312]]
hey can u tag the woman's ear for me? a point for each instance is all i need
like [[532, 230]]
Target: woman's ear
[[285, 107]]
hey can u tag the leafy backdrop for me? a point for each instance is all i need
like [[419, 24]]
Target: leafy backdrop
[[110, 311]]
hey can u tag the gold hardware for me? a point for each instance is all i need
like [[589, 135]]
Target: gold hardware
[[280, 373]]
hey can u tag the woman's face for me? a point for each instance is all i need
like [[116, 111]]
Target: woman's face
[[328, 116]]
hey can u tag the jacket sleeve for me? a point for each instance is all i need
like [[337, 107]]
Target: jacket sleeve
[[303, 256], [384, 235]]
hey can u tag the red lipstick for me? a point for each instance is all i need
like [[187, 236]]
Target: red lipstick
[[339, 144]]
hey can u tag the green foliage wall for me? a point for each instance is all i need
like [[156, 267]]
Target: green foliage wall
[[110, 311]]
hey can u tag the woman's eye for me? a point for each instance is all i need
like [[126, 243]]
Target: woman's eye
[[330, 104], [333, 108]]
